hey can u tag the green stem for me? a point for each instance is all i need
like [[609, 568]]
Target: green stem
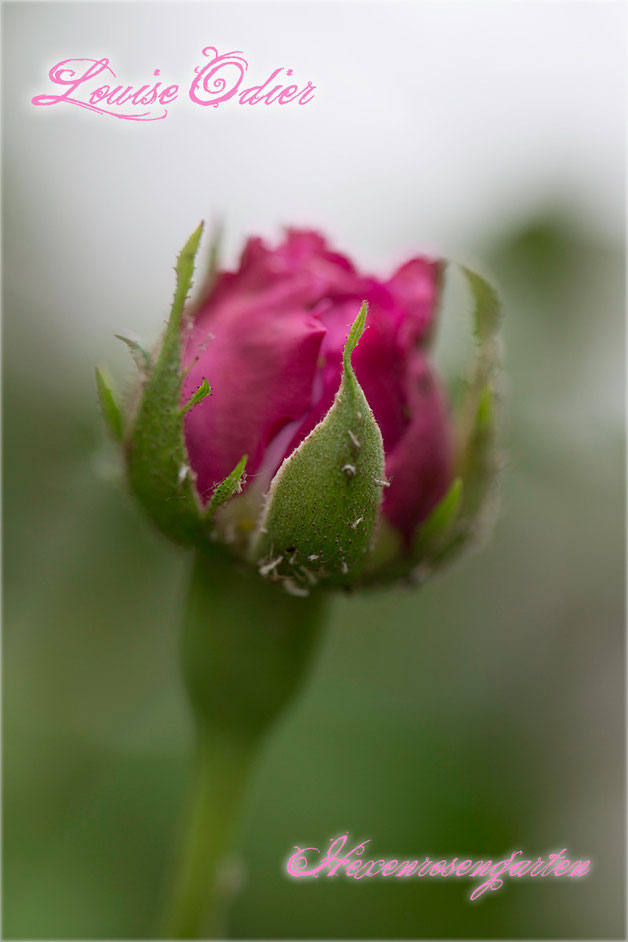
[[246, 646], [200, 895]]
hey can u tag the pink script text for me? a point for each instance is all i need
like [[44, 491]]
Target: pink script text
[[92, 84]]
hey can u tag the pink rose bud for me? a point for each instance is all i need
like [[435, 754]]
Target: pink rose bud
[[294, 415], [270, 337]]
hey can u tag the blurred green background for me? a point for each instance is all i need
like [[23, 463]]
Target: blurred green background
[[481, 714]]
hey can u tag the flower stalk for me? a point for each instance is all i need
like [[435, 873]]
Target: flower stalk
[[291, 429], [246, 647]]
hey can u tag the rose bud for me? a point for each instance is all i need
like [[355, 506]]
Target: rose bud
[[294, 415]]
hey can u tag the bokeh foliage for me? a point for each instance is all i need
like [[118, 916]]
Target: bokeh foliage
[[484, 712]]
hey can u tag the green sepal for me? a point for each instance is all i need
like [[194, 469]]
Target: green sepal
[[476, 458], [215, 248], [390, 562], [475, 424], [212, 264], [436, 528], [231, 485], [139, 354], [157, 457], [203, 390], [110, 408], [323, 503], [487, 308]]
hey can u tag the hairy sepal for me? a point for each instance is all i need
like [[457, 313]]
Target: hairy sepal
[[323, 505]]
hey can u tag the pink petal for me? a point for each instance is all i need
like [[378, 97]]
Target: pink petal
[[420, 466], [261, 368], [415, 287]]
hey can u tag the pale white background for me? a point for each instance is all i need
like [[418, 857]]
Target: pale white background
[[434, 124]]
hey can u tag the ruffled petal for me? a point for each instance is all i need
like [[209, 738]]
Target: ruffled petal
[[420, 466], [269, 340], [415, 288], [301, 270], [261, 369]]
